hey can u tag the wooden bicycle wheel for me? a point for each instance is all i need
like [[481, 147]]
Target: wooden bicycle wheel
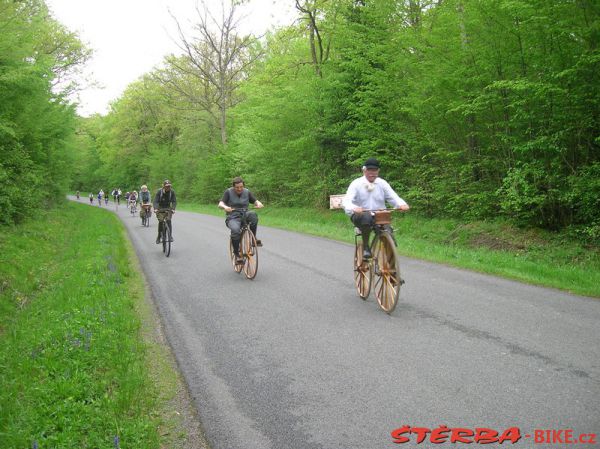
[[362, 272], [249, 252], [387, 273], [236, 267]]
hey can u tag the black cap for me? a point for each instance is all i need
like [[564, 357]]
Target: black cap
[[166, 182], [371, 163]]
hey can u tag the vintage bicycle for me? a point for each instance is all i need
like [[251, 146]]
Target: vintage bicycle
[[146, 213], [383, 263], [163, 216], [133, 207], [248, 249]]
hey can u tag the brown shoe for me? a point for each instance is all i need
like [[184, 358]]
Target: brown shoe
[[258, 242], [239, 260]]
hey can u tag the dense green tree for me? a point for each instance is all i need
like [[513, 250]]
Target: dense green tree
[[477, 109], [37, 121]]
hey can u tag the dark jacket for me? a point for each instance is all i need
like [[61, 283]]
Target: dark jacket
[[165, 200]]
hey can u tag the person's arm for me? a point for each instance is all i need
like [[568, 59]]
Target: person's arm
[[173, 200], [347, 202], [392, 197], [156, 199], [254, 201], [223, 203]]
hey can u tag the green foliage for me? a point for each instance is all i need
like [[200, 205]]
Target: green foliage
[[475, 108], [36, 122], [73, 364]]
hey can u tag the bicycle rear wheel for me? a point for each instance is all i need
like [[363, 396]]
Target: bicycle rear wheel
[[249, 253], [362, 272], [387, 273], [236, 267]]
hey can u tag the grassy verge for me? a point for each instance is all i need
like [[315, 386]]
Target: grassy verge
[[533, 256], [76, 369]]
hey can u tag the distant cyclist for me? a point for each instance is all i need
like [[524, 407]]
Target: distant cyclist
[[164, 204], [145, 200], [132, 201], [235, 198], [91, 198], [366, 194], [100, 196], [116, 193]]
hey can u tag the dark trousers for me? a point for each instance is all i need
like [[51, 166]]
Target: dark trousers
[[363, 221], [160, 227], [234, 223]]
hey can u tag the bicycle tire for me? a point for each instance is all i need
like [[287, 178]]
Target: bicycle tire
[[236, 267], [166, 238], [249, 253], [387, 273], [363, 275]]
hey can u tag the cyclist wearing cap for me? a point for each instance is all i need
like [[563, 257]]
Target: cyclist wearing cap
[[366, 194], [234, 198], [165, 199]]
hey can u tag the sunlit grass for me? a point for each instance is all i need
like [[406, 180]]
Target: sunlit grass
[[74, 369]]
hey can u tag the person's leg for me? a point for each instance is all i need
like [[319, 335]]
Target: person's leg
[[364, 221], [252, 219], [234, 224], [160, 227]]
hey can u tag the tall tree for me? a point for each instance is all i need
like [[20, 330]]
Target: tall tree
[[218, 58]]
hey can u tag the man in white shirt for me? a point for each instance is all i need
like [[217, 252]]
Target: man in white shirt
[[367, 194]]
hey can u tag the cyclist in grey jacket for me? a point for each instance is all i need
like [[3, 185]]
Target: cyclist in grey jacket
[[234, 198]]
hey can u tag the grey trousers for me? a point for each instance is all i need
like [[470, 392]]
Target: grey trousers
[[234, 223]]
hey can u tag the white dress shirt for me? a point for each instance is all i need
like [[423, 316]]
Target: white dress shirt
[[372, 196]]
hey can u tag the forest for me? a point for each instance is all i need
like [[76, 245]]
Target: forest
[[477, 109]]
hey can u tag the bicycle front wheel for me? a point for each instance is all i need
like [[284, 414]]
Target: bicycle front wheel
[[387, 273], [249, 253], [166, 239], [236, 267], [362, 272]]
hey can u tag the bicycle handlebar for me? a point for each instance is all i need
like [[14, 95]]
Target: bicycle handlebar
[[392, 209]]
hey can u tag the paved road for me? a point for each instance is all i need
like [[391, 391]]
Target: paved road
[[294, 359]]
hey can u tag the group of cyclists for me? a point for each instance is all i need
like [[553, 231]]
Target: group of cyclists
[[365, 195]]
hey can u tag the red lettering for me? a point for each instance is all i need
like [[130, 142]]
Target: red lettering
[[513, 434], [538, 436], [485, 436], [421, 433], [556, 438], [459, 435], [397, 434], [439, 435], [569, 436], [592, 439]]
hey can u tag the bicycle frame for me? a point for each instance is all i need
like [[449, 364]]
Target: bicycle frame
[[383, 264], [247, 248], [166, 230]]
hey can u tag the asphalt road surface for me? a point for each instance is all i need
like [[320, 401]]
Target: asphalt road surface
[[295, 359]]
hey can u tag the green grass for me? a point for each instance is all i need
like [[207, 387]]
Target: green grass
[[532, 256], [76, 369]]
